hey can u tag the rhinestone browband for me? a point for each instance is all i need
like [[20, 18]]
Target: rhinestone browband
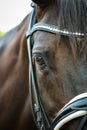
[[52, 29]]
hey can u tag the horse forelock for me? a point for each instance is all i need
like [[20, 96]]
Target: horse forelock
[[72, 16]]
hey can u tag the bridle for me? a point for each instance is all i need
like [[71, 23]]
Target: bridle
[[77, 107]]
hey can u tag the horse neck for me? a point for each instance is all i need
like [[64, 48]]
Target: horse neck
[[14, 52]]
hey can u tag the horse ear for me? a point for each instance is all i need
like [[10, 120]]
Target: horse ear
[[40, 3]]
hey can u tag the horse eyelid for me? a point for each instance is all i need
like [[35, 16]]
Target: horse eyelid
[[41, 61]]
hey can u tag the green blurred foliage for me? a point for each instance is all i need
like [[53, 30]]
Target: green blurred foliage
[[1, 33]]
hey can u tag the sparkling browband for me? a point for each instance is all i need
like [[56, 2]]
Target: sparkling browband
[[52, 29]]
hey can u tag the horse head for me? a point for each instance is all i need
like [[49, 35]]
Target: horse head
[[57, 54]]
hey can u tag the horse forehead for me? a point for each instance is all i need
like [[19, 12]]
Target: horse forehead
[[44, 41]]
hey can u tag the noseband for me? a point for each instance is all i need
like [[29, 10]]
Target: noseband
[[77, 107]]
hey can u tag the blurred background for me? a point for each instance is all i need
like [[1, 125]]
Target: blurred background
[[12, 12]]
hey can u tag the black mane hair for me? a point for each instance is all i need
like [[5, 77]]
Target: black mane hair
[[72, 15], [42, 3]]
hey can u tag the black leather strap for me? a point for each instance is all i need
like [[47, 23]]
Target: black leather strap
[[82, 123], [39, 113], [79, 105]]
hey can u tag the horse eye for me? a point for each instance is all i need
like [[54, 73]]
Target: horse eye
[[40, 61]]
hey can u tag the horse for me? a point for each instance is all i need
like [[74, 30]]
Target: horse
[[43, 64]]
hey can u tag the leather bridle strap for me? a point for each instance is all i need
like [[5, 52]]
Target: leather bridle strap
[[77, 107], [39, 114]]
